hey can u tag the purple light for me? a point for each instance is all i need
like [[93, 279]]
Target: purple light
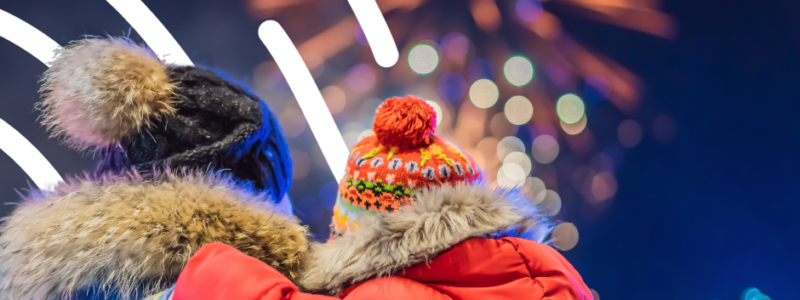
[[543, 128], [479, 68], [361, 78], [557, 73], [597, 88], [529, 10], [452, 86], [455, 46], [360, 37]]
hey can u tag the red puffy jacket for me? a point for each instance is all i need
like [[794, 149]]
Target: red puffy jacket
[[435, 250]]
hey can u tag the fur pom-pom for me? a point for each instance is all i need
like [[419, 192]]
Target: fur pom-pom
[[99, 91], [404, 122]]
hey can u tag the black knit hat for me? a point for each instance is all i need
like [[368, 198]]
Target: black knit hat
[[117, 98]]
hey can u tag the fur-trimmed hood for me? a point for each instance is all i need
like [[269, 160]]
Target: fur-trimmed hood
[[438, 219], [130, 236]]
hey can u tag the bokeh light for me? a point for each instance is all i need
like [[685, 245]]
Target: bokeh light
[[551, 204], [595, 295], [423, 59], [576, 128], [499, 126], [545, 149], [361, 78], [351, 133], [663, 128], [455, 46], [510, 176], [438, 110], [565, 236], [570, 108], [521, 159], [480, 68], [603, 186], [752, 293], [597, 88], [518, 70], [629, 133], [509, 144], [535, 189], [301, 164], [529, 10], [334, 98], [519, 110], [292, 121], [452, 87], [365, 134], [483, 93]]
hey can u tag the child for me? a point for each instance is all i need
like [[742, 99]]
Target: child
[[413, 220], [128, 230]]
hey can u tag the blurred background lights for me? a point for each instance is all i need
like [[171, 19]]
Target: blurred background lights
[[629, 133], [603, 186], [570, 108], [597, 88], [518, 70], [499, 126], [365, 134], [535, 189], [545, 149], [509, 144], [483, 93], [361, 78], [565, 236], [595, 295], [519, 110], [576, 128], [334, 98], [292, 121], [455, 46], [351, 133], [438, 110], [301, 164], [551, 204], [754, 294], [510, 175], [452, 86], [663, 128], [529, 10], [423, 59], [521, 159]]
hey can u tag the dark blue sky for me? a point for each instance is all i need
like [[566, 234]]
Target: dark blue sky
[[702, 217]]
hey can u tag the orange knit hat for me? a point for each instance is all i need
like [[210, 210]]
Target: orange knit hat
[[402, 156]]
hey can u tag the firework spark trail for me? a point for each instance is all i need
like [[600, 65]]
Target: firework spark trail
[[377, 32], [152, 31], [28, 157], [27, 37], [308, 95]]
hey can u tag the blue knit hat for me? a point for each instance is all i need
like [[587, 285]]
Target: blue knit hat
[[118, 98]]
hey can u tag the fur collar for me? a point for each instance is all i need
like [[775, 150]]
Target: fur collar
[[130, 236], [438, 219]]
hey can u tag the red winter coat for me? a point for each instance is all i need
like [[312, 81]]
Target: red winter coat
[[433, 250]]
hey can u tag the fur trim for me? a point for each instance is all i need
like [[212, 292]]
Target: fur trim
[[131, 237], [438, 219], [98, 91]]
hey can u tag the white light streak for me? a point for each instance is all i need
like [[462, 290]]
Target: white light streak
[[27, 37], [152, 31], [376, 30], [308, 95], [28, 157]]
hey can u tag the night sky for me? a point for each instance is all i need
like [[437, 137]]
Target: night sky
[[702, 217]]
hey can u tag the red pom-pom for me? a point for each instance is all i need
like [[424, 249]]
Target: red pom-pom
[[404, 122]]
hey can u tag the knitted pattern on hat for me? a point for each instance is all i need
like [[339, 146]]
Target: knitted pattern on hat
[[403, 156]]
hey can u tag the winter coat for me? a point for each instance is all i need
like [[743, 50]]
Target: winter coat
[[125, 237], [463, 242]]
